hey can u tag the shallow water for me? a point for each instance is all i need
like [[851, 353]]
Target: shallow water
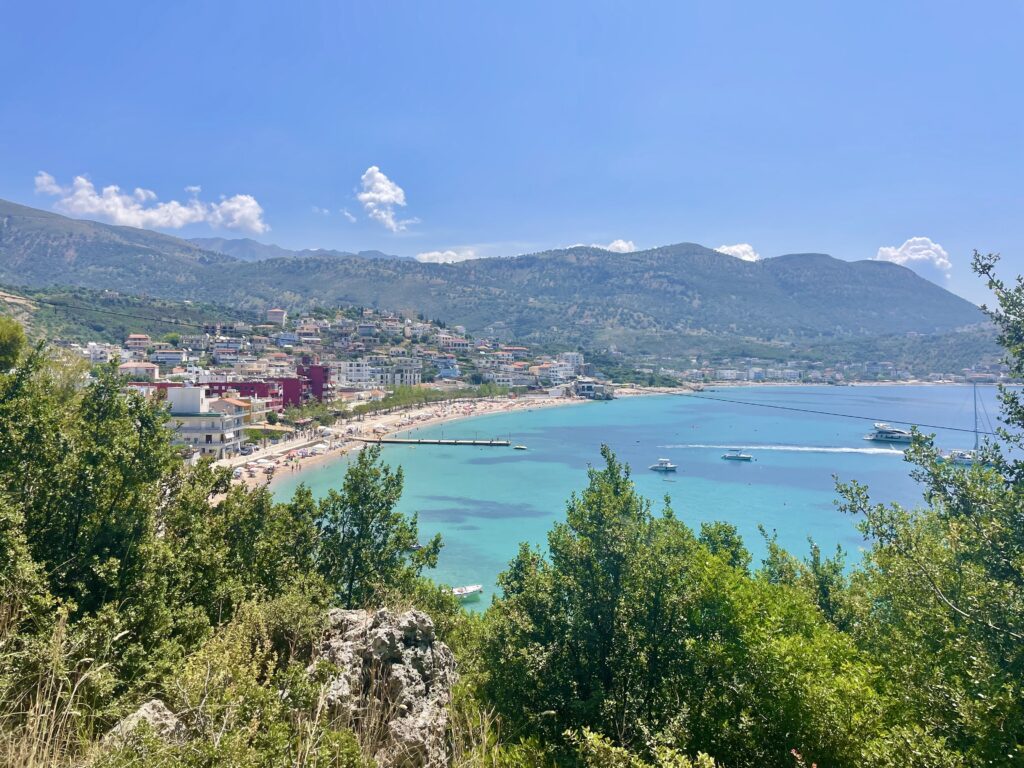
[[484, 501]]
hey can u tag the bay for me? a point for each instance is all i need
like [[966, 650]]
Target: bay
[[485, 501]]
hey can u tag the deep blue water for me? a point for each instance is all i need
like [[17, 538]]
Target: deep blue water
[[484, 501]]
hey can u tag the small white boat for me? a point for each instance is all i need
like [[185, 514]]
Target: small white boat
[[735, 454], [885, 433], [959, 458], [663, 465], [468, 591], [518, 447]]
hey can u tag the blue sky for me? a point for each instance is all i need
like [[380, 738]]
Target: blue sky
[[843, 128]]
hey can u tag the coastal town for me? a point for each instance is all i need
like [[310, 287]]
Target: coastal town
[[237, 392], [292, 388]]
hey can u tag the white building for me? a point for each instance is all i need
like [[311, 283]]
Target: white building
[[168, 357], [139, 371], [572, 359], [200, 427]]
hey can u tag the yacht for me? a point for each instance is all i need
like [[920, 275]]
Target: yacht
[[736, 454], [468, 591], [663, 465], [884, 433]]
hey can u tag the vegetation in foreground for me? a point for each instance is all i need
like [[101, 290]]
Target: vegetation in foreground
[[632, 640]]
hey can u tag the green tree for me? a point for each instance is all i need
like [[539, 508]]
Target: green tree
[[367, 546], [723, 539], [939, 604], [12, 341], [633, 628]]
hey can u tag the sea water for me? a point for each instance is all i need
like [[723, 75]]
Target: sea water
[[485, 501]]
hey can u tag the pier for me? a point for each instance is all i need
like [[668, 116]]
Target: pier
[[435, 441]]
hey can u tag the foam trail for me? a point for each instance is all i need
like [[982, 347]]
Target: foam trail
[[793, 448]]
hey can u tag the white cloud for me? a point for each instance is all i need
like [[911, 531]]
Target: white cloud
[[380, 197], [140, 208], [46, 184], [345, 212], [447, 257], [193, 190], [321, 211], [615, 246], [917, 250], [742, 251]]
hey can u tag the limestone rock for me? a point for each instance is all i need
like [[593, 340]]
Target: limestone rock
[[163, 722], [395, 683]]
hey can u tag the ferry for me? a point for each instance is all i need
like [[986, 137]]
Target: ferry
[[467, 592], [663, 465], [736, 454], [885, 433]]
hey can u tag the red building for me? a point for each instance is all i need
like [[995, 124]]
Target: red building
[[319, 377], [295, 390]]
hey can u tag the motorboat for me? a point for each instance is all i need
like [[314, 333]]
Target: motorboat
[[735, 454], [518, 447], [468, 592], [885, 433], [663, 465]]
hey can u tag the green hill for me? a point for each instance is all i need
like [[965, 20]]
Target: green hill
[[674, 301], [84, 314]]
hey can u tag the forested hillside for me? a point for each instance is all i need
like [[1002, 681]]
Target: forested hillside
[[675, 301]]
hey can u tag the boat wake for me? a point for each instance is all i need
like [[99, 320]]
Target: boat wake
[[793, 448]]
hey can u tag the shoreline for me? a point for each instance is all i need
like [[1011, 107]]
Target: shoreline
[[390, 424], [454, 411]]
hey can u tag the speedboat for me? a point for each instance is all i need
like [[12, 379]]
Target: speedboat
[[884, 433], [518, 447], [467, 592], [663, 465], [735, 454]]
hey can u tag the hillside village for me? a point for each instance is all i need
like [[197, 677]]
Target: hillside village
[[225, 383]]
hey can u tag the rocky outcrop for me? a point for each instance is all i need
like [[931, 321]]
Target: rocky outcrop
[[161, 720], [394, 684]]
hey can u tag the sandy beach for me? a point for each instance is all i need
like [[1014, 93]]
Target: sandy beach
[[286, 457]]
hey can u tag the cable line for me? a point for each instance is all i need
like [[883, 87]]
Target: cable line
[[824, 413]]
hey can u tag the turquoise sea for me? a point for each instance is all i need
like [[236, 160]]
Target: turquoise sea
[[484, 501]]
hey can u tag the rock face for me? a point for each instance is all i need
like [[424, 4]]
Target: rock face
[[164, 723], [395, 683]]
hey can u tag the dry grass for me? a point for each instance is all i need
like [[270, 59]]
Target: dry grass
[[48, 722]]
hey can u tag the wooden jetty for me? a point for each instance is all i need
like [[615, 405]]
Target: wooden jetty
[[426, 441]]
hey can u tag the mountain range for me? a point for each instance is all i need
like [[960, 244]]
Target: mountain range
[[673, 301], [247, 249]]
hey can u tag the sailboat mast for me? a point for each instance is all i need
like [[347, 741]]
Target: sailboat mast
[[975, 416]]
